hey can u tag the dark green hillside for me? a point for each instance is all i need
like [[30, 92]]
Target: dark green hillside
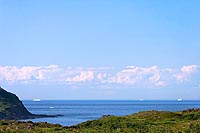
[[11, 107]]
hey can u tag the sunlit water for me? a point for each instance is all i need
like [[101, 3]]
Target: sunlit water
[[75, 112]]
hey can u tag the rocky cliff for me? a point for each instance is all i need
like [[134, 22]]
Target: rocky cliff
[[11, 108]]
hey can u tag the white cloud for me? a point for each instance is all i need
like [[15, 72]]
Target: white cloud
[[130, 76], [82, 77], [186, 72], [26, 73], [155, 77], [134, 75], [189, 69], [102, 77], [160, 84]]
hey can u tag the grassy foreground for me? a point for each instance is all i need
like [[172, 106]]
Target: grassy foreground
[[187, 121]]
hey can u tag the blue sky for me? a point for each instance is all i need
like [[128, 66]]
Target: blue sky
[[108, 49]]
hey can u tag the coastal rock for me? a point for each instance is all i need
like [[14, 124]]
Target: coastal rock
[[11, 108]]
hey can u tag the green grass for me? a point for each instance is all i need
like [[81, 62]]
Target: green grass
[[143, 122]]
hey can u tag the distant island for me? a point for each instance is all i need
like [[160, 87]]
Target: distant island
[[11, 108]]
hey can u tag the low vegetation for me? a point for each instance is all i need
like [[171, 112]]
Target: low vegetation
[[187, 121]]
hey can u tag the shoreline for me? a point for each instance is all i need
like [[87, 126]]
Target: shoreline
[[145, 121]]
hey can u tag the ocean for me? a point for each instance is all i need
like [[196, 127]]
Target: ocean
[[77, 111]]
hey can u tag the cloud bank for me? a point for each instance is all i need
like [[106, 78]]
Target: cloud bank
[[130, 76]]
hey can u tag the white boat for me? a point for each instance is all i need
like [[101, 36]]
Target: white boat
[[36, 100], [179, 99], [51, 107], [141, 99]]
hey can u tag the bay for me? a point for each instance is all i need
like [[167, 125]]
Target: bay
[[77, 111]]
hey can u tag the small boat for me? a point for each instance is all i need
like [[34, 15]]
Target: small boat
[[51, 107], [36, 100], [179, 99], [141, 99]]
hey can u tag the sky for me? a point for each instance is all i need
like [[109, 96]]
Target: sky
[[107, 49]]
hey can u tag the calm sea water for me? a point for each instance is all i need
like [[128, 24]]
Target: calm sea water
[[79, 111]]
